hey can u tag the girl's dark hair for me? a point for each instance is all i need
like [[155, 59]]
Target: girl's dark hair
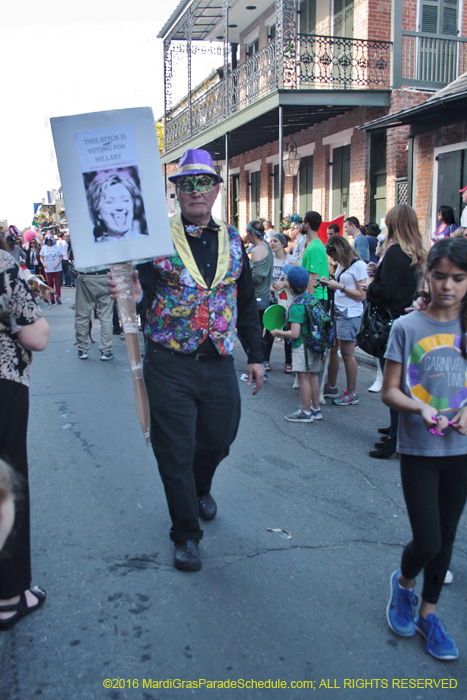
[[447, 214], [455, 250], [258, 225], [2, 243]]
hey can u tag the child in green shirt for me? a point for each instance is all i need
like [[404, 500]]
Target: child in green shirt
[[304, 362]]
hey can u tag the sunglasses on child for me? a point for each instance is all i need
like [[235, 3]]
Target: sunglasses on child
[[195, 183]]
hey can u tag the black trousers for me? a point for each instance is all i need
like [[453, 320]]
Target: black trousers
[[195, 413], [435, 492], [15, 561]]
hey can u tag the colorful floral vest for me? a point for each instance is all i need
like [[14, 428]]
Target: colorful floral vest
[[184, 311]]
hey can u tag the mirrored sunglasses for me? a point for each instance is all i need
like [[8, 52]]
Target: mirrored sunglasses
[[195, 183]]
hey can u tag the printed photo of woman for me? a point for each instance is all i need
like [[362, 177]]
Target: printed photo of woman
[[115, 204]]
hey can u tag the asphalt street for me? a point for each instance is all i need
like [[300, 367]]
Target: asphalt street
[[266, 606]]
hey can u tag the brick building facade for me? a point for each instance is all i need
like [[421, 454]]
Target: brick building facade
[[343, 169]]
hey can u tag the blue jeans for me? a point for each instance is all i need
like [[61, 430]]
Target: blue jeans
[[66, 277]]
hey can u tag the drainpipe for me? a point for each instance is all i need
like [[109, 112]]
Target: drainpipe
[[410, 171], [226, 139], [281, 164], [397, 44]]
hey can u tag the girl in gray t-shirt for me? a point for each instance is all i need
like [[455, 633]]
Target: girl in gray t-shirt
[[426, 380]]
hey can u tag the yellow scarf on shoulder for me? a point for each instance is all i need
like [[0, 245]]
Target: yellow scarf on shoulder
[[183, 249]]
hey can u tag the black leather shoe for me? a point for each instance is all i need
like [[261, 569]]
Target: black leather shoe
[[387, 450], [186, 556], [384, 431], [207, 507]]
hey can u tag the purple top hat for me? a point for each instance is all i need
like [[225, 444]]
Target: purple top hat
[[195, 161]]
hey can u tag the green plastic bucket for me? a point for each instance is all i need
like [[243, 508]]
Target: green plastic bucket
[[274, 317]]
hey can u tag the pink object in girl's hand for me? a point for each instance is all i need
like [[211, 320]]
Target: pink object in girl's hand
[[434, 431]]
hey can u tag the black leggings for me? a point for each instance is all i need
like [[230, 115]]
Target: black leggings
[[15, 564], [435, 492]]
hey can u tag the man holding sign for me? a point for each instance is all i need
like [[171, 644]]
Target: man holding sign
[[194, 300]]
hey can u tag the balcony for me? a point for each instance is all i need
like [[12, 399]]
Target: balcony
[[432, 60], [320, 63], [309, 62]]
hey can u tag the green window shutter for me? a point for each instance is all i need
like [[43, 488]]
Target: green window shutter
[[308, 17], [343, 18], [430, 19], [306, 185], [254, 194]]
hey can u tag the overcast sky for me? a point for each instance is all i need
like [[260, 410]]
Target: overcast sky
[[61, 58]]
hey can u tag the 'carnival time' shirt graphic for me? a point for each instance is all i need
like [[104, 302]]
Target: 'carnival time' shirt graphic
[[437, 372]]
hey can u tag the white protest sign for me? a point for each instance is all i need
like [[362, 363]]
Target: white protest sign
[[113, 186]]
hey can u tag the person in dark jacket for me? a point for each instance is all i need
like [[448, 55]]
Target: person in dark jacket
[[394, 285]]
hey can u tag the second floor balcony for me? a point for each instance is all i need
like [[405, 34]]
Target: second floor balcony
[[286, 62], [309, 62]]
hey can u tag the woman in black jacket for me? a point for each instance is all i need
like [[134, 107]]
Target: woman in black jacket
[[32, 256], [394, 285]]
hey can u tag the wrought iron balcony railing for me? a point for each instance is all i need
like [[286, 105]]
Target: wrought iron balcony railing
[[308, 62], [340, 63], [253, 79], [432, 60], [321, 62]]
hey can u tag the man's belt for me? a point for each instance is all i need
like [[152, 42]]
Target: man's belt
[[204, 356], [198, 356], [99, 272]]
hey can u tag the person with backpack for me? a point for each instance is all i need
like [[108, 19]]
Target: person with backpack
[[305, 332], [349, 288]]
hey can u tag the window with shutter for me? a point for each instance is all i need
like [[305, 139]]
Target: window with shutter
[[450, 21], [438, 57], [253, 48], [438, 16], [254, 194], [276, 221], [430, 19], [306, 185], [308, 17], [343, 18]]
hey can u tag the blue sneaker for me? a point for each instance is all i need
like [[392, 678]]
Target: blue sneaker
[[400, 612], [438, 642]]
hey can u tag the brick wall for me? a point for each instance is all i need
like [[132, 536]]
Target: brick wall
[[396, 148], [359, 174], [409, 15], [372, 19]]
